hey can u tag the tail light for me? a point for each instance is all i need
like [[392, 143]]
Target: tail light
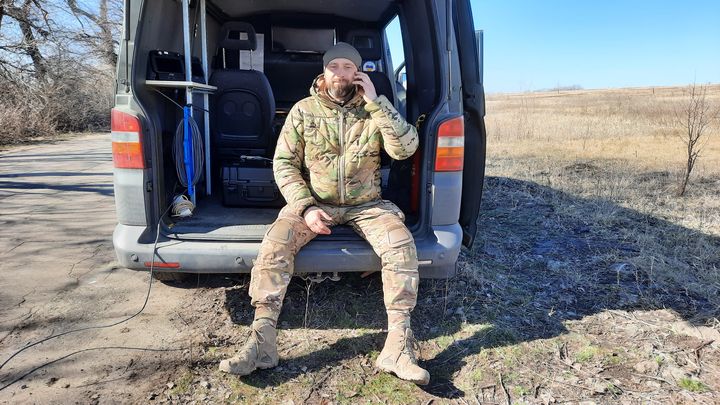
[[126, 140], [450, 145], [162, 265]]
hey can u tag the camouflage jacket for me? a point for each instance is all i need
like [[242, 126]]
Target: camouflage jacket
[[330, 153]]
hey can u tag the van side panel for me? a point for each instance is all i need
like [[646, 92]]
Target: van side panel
[[446, 191], [131, 199], [129, 184], [129, 196]]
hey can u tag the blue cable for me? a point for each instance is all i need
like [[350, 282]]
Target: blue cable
[[188, 147]]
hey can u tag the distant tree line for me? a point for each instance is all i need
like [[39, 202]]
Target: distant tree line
[[560, 88], [57, 65]]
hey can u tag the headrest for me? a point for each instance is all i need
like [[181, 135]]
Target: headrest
[[238, 36], [367, 42]]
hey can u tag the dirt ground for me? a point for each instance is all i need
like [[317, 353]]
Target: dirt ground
[[57, 273], [566, 297]]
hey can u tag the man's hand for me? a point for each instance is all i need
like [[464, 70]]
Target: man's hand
[[368, 88], [318, 220]]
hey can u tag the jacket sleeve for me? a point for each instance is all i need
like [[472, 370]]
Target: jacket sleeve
[[399, 138], [287, 164]]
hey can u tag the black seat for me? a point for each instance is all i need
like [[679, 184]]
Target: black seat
[[291, 75], [243, 106], [382, 85]]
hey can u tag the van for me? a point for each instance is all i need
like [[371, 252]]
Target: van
[[203, 90]]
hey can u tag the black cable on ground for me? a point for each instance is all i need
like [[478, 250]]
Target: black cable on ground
[[147, 297], [86, 350]]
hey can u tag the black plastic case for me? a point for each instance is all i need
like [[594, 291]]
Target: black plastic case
[[250, 187]]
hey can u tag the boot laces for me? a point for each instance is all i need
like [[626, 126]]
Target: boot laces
[[411, 344], [255, 339]]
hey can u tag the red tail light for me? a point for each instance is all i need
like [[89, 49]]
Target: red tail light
[[126, 141], [450, 146], [162, 265]]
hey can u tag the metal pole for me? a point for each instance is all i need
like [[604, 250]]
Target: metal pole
[[188, 51], [189, 158], [206, 96]]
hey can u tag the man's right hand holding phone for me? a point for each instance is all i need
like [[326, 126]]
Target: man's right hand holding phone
[[368, 88]]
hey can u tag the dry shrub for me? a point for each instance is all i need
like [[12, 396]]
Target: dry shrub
[[22, 113], [80, 97], [73, 98]]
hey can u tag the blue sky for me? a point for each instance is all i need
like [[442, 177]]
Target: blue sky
[[532, 45]]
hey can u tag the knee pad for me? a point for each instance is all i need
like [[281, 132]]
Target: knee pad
[[281, 231], [401, 258], [398, 235]]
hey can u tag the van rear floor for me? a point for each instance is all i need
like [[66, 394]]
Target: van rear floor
[[212, 220]]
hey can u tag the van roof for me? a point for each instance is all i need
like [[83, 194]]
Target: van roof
[[371, 10]]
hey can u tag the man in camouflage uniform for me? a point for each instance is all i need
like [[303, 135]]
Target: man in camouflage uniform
[[327, 165]]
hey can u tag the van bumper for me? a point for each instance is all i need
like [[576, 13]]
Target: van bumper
[[437, 254]]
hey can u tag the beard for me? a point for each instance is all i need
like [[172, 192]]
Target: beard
[[341, 90]]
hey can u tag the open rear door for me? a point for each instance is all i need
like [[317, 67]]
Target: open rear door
[[474, 112]]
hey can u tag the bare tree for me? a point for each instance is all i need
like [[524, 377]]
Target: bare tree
[[107, 23], [2, 11], [57, 60], [33, 21], [695, 117]]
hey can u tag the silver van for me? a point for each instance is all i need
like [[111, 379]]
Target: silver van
[[204, 87]]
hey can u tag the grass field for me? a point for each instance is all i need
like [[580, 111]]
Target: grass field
[[590, 281]]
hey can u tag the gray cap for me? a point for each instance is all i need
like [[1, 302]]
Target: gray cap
[[342, 50]]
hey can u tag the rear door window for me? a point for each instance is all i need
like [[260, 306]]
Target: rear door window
[[396, 64]]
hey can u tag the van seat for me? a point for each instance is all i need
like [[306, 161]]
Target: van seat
[[382, 85], [243, 107]]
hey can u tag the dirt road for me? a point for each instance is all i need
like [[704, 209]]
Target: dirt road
[[57, 273]]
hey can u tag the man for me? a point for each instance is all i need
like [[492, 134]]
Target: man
[[327, 165]]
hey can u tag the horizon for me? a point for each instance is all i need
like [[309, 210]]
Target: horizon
[[569, 90]]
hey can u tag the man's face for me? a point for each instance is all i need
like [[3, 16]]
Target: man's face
[[339, 75]]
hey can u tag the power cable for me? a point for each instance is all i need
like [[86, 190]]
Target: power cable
[[147, 297], [86, 350], [179, 152]]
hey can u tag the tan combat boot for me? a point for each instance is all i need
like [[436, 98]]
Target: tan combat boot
[[398, 357], [260, 350]]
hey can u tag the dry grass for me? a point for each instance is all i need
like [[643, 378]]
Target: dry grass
[[618, 150], [634, 127]]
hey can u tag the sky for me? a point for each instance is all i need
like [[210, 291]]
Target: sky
[[531, 45]]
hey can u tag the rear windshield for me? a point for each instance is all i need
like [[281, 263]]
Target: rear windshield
[[290, 39]]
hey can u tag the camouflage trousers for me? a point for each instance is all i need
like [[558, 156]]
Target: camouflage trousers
[[379, 222]]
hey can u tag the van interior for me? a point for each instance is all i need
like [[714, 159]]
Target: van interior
[[262, 57]]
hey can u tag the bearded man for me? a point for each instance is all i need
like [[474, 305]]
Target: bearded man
[[327, 165]]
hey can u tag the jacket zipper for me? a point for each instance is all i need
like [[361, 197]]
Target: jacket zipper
[[341, 163]]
